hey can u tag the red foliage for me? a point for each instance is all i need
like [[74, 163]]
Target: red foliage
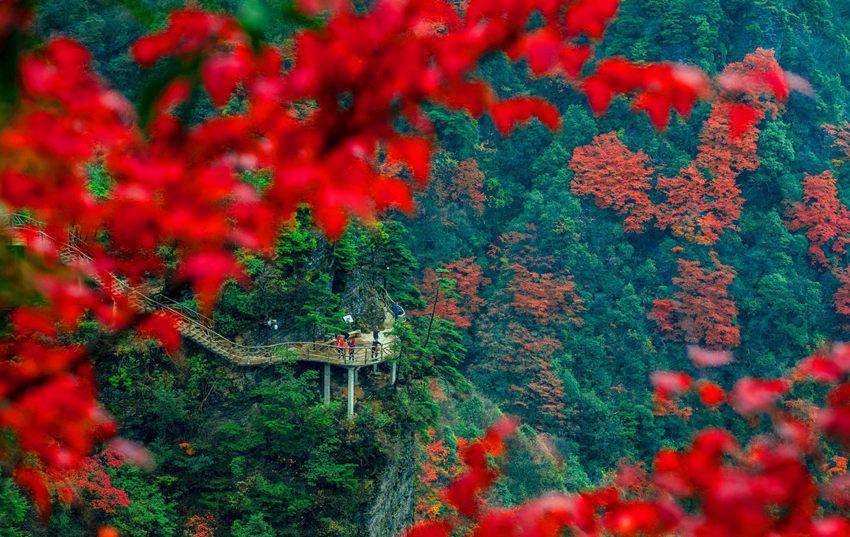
[[841, 300], [434, 472], [536, 387], [468, 186], [470, 279], [669, 407], [459, 189], [520, 329], [94, 486], [701, 311], [459, 282], [840, 140], [444, 304], [545, 297], [759, 81], [826, 222], [839, 466], [201, 525], [616, 177], [715, 486], [824, 218], [520, 247]]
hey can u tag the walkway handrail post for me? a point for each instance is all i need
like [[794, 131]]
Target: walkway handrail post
[[327, 386], [350, 409]]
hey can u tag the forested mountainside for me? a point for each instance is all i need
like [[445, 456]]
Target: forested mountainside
[[555, 295], [566, 295]]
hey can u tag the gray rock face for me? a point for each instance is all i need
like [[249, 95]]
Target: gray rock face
[[392, 507]]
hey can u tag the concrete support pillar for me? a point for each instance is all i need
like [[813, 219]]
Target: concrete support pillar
[[327, 384], [351, 383], [393, 367]]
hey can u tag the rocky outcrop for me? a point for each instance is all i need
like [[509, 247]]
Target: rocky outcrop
[[392, 507]]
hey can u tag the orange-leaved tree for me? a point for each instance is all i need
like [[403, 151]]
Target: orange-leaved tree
[[701, 311]]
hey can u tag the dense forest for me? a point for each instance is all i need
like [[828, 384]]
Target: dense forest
[[544, 275]]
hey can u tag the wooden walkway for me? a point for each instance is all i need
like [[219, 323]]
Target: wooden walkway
[[198, 328]]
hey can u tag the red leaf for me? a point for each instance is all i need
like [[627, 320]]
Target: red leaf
[[462, 494], [508, 113], [207, 271], [496, 435], [541, 48], [30, 321], [573, 58], [742, 118], [474, 97], [221, 74], [599, 95], [430, 528], [820, 368], [149, 49], [392, 192], [331, 219], [671, 382], [711, 394], [591, 17], [706, 358], [163, 328], [414, 151], [833, 526], [34, 483], [753, 396]]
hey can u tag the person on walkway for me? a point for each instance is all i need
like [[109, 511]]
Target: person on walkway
[[397, 311], [376, 342], [340, 346], [352, 344]]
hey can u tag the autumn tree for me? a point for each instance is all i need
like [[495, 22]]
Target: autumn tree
[[93, 484], [435, 471], [466, 187], [470, 281], [701, 311], [520, 326], [840, 135], [825, 220], [616, 177], [535, 386], [547, 298], [452, 291]]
